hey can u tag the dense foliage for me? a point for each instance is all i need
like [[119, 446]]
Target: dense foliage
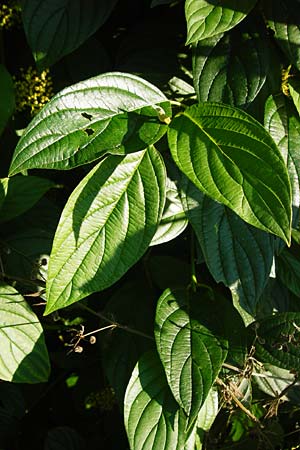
[[149, 224]]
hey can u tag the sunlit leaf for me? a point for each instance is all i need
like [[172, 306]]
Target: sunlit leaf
[[114, 113], [23, 353], [106, 226], [153, 419], [230, 157], [191, 346], [206, 18]]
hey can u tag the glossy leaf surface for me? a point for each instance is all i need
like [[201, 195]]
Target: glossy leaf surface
[[283, 124], [113, 113], [153, 420], [230, 157], [205, 18], [23, 353], [106, 226], [190, 345]]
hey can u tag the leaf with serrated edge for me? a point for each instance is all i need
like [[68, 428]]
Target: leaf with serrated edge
[[153, 419], [54, 29], [23, 353], [190, 345], [236, 253], [283, 124], [114, 113], [205, 18], [230, 157], [106, 226]]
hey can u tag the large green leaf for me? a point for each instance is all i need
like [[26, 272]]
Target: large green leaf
[[191, 346], [7, 96], [115, 113], [23, 353], [54, 29], [173, 221], [277, 340], [294, 89], [20, 194], [106, 226], [230, 157], [236, 253], [283, 124], [284, 19], [64, 438], [153, 419], [121, 348], [224, 71], [207, 18]]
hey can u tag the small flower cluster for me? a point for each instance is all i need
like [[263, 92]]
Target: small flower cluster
[[10, 14], [33, 90], [104, 400]]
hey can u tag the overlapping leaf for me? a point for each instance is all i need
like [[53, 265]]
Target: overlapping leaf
[[113, 113], [277, 340], [106, 226], [236, 253], [284, 20], [23, 353], [226, 72], [207, 18], [153, 419], [20, 194], [54, 29], [173, 221], [191, 346], [283, 124], [7, 96], [230, 157]]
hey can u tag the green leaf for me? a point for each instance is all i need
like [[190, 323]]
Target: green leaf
[[237, 254], [230, 157], [121, 349], [106, 226], [23, 353], [294, 89], [191, 346], [114, 113], [54, 29], [226, 72], [288, 271], [277, 340], [7, 95], [173, 221], [273, 381], [20, 194], [284, 20], [206, 19], [283, 124], [153, 420]]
